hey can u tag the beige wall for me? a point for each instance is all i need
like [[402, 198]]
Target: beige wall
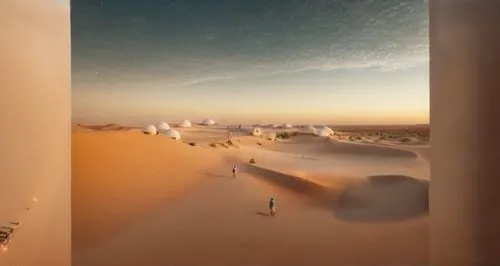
[[35, 130], [465, 130]]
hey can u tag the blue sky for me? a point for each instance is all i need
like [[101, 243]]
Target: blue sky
[[249, 61]]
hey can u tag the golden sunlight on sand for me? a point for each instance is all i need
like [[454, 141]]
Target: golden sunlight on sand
[[355, 197]]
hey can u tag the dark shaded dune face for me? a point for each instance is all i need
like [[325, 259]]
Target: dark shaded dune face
[[384, 198], [289, 182]]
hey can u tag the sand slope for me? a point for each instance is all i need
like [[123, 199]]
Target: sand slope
[[136, 202], [224, 222], [120, 177]]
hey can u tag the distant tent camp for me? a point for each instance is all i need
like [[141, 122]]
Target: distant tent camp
[[208, 122], [185, 123], [172, 133], [256, 131], [162, 127], [150, 130]]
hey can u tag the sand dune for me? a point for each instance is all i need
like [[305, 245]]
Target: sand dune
[[119, 177], [182, 206], [374, 198]]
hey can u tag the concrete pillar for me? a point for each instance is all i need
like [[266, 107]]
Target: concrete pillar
[[35, 117], [465, 132]]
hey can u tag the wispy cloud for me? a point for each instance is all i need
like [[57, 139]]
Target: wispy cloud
[[192, 42]]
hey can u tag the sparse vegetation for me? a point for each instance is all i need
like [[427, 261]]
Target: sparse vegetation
[[252, 160], [213, 145], [192, 144], [283, 135], [258, 143]]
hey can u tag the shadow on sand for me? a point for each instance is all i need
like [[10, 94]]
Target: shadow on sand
[[306, 158], [381, 198], [219, 175], [384, 198], [262, 214]]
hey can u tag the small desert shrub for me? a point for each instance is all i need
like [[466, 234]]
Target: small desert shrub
[[192, 144], [213, 145], [258, 143], [405, 140], [283, 135], [229, 142], [252, 160]]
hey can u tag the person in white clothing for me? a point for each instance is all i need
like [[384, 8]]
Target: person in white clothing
[[235, 168]]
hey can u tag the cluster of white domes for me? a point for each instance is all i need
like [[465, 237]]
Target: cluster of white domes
[[163, 129]]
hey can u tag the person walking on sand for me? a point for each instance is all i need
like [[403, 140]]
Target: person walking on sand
[[235, 168], [272, 206]]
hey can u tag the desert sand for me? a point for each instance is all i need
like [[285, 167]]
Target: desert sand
[[149, 200]]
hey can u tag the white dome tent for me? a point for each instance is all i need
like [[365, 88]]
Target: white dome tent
[[185, 123], [311, 129], [172, 133], [323, 133], [329, 130], [208, 122], [256, 131], [162, 126], [287, 126], [150, 130]]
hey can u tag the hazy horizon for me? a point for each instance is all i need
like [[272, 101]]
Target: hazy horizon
[[257, 61]]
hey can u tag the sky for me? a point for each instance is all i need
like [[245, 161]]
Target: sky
[[250, 61]]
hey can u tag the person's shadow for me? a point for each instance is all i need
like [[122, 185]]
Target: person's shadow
[[262, 214], [219, 175]]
